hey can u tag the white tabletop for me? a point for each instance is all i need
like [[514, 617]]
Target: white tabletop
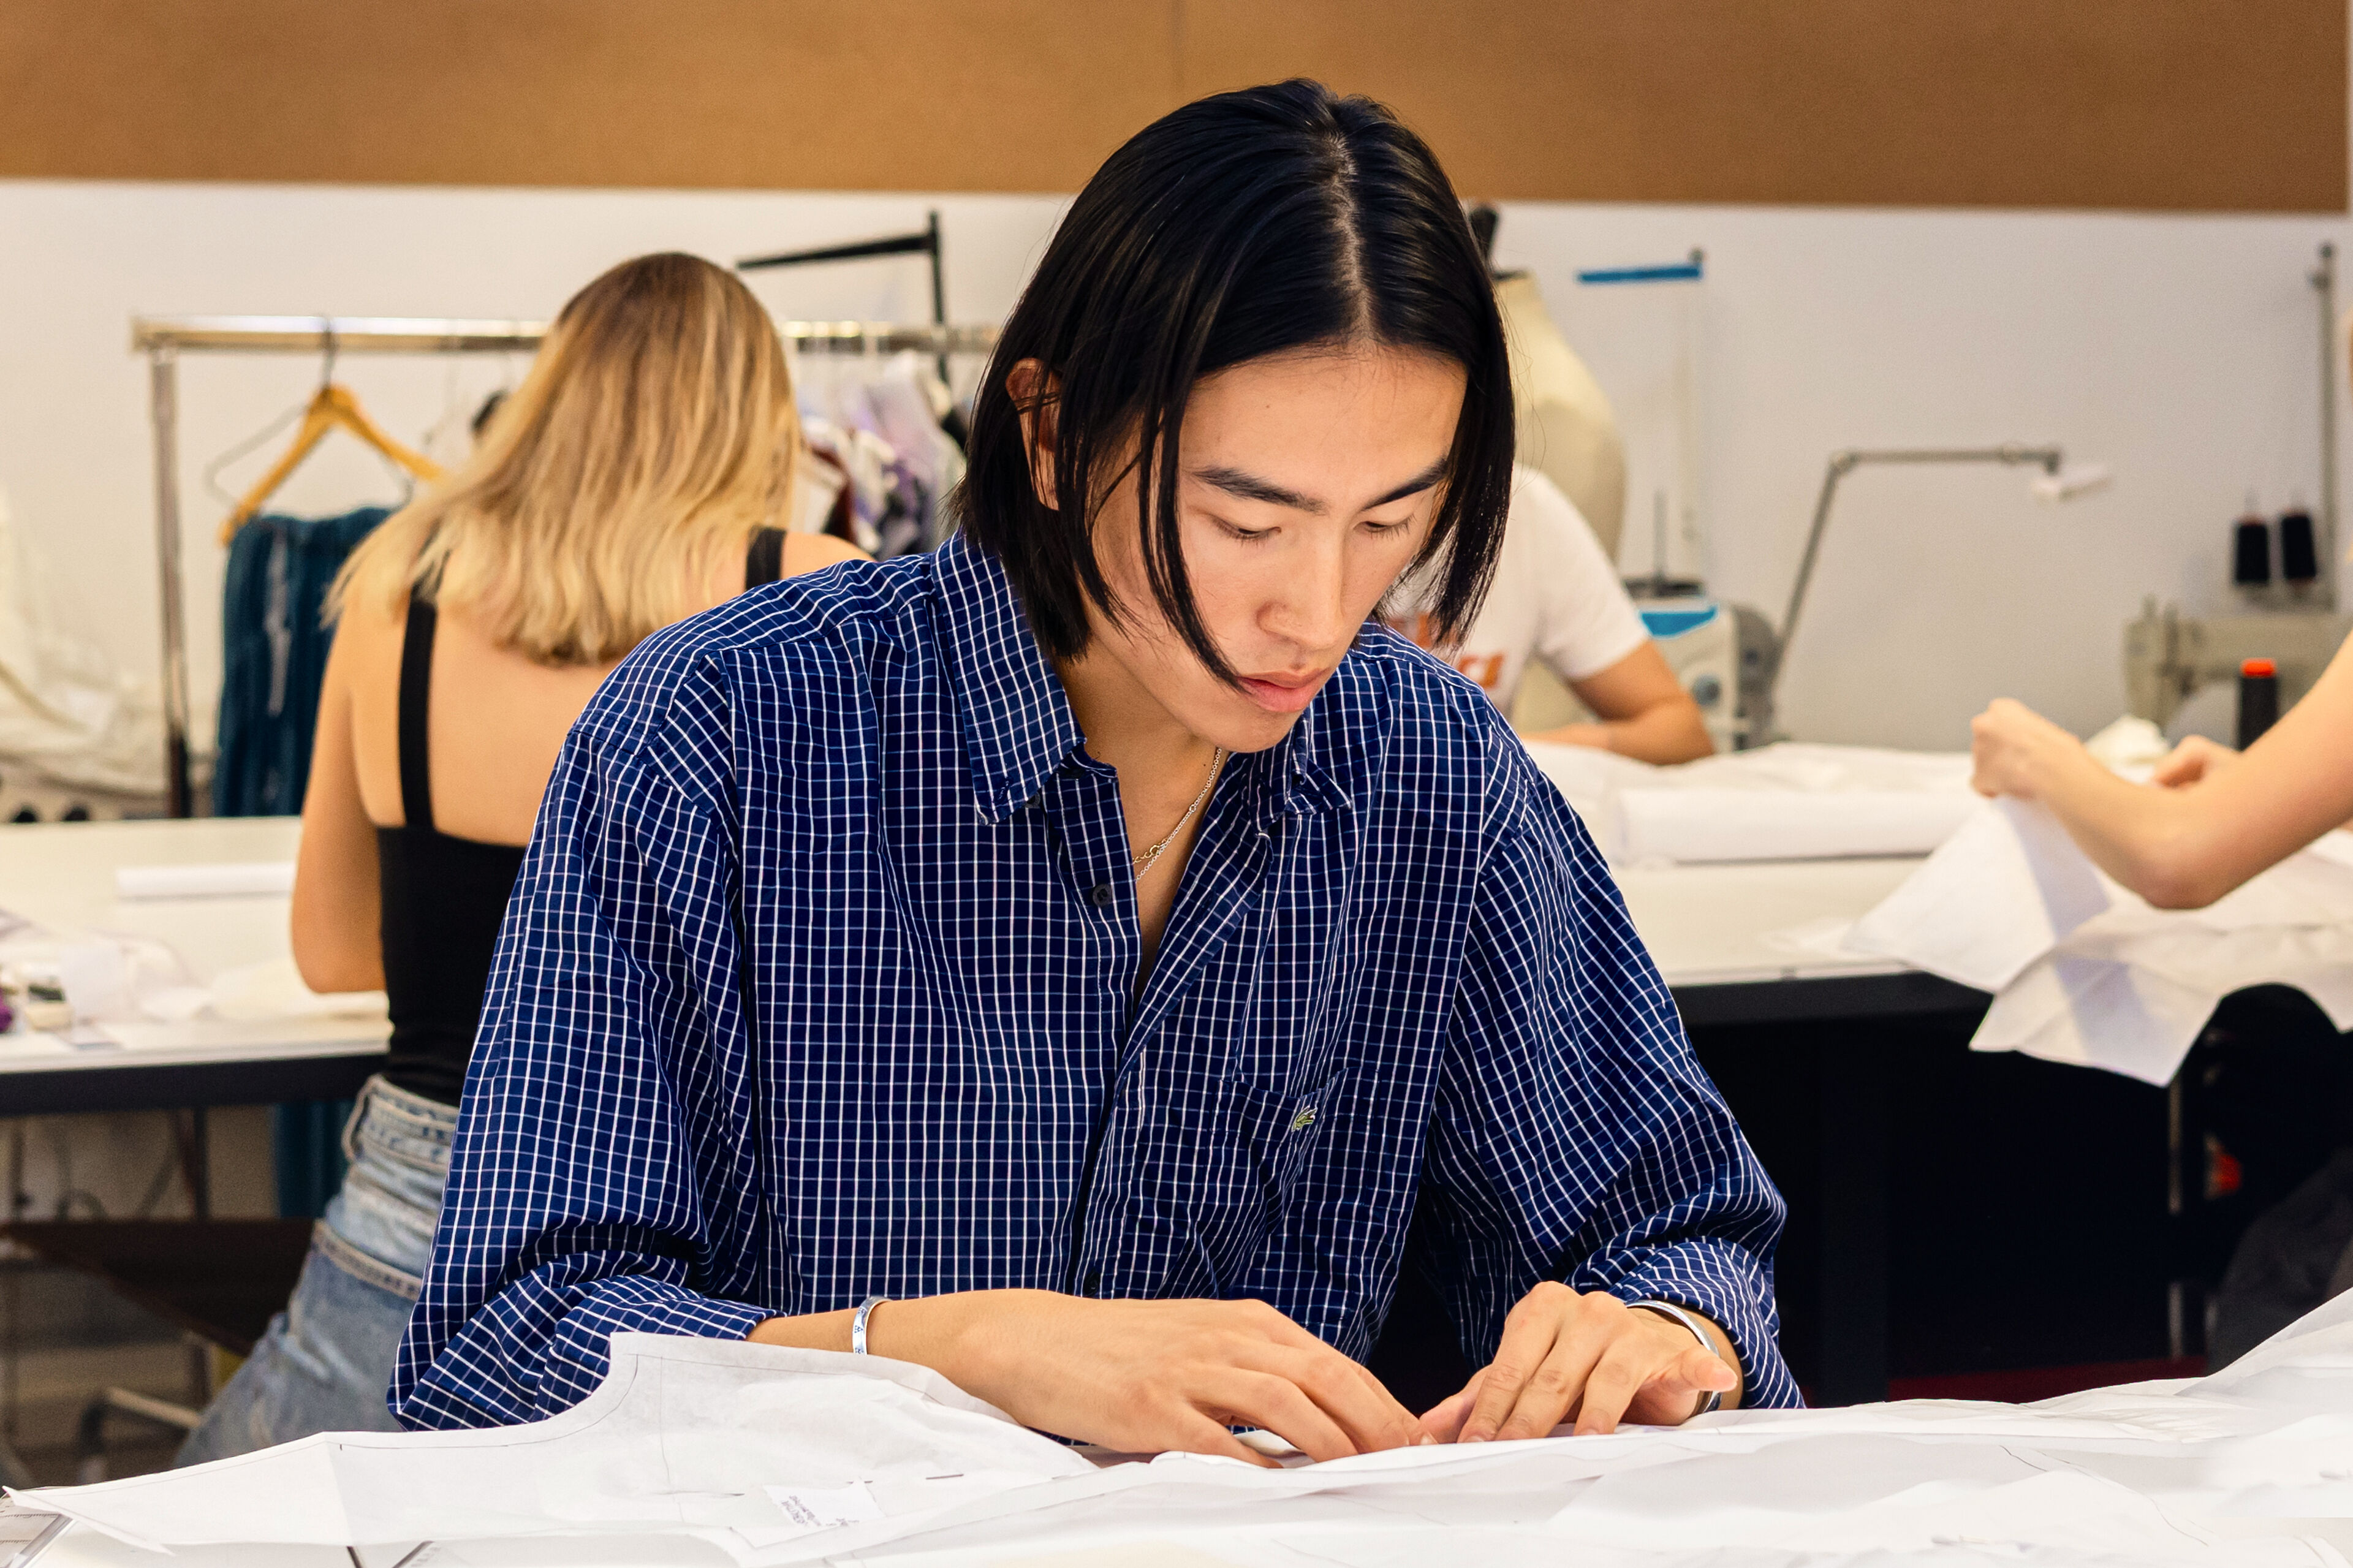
[[1705, 925], [1721, 925], [61, 876]]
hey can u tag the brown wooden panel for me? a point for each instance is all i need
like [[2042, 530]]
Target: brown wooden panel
[[2198, 104], [2182, 104], [1010, 95]]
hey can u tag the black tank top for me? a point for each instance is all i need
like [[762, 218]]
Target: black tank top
[[442, 897]]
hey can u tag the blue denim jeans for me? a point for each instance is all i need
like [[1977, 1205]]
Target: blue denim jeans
[[326, 1360]]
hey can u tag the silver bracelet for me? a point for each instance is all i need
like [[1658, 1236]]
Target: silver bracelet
[[1715, 1399], [857, 1323]]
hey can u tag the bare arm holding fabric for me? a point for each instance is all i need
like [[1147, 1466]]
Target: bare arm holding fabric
[[2209, 818]]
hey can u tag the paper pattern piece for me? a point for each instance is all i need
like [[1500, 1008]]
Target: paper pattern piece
[[701, 1450], [143, 991], [243, 880], [1785, 802], [2082, 969]]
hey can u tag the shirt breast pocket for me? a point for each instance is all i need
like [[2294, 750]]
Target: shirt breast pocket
[[1279, 1127]]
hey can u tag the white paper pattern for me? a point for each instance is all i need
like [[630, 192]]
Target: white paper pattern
[[684, 1449]]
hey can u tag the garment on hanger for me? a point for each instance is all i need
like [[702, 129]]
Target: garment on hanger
[[908, 401], [883, 423], [885, 502], [333, 408], [67, 716], [1567, 428], [821, 498], [274, 655]]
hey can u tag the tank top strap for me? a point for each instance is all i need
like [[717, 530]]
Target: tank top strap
[[764, 563], [415, 700]]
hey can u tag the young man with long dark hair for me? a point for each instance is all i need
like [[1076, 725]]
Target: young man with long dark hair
[[1071, 960]]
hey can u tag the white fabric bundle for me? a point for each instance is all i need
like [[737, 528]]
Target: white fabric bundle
[[1787, 802], [2086, 971]]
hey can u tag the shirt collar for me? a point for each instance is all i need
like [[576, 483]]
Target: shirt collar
[[1017, 724], [1300, 769], [1019, 729]]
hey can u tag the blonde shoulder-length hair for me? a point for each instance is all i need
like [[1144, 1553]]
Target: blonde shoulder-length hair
[[654, 435]]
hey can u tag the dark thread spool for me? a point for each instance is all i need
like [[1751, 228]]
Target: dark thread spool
[[2250, 553], [2258, 699], [2299, 557]]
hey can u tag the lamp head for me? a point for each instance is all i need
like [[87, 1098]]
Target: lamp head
[[2063, 481]]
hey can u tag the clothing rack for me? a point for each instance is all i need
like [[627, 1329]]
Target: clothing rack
[[162, 339], [924, 241]]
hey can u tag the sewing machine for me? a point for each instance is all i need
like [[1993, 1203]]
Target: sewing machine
[[1723, 654], [2169, 656]]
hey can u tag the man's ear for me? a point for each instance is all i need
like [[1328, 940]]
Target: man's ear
[[1036, 392]]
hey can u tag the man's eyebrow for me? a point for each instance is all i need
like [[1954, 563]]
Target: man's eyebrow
[[1249, 487], [1416, 485]]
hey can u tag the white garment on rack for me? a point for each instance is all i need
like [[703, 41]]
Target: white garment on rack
[[867, 459], [66, 712], [909, 401]]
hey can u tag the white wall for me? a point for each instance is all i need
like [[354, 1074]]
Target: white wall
[[2181, 350], [2184, 352]]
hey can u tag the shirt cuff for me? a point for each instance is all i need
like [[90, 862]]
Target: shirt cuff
[[1725, 1285], [581, 1352]]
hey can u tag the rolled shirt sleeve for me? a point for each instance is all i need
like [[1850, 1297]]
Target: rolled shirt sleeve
[[576, 1202], [1574, 1135]]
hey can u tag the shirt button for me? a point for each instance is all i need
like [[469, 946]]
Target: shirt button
[[1095, 1281], [1100, 895]]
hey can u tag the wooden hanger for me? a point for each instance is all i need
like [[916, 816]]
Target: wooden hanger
[[334, 408]]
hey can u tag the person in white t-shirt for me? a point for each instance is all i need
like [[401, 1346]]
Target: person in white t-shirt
[[1557, 597]]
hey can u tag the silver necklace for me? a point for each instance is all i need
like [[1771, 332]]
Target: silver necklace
[[1146, 861]]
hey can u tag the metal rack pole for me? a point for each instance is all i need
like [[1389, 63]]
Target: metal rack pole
[[2324, 282], [164, 410]]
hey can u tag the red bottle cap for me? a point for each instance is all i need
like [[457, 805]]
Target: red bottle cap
[[2259, 667]]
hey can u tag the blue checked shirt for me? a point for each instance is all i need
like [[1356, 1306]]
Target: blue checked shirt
[[820, 982]]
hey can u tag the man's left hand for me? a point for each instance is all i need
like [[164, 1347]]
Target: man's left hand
[[1587, 1357]]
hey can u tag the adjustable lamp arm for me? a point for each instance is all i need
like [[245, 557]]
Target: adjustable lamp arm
[[2011, 455]]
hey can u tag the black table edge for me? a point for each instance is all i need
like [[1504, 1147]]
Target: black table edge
[[1907, 994], [180, 1086]]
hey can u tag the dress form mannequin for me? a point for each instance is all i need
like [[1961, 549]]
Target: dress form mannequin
[[1565, 425]]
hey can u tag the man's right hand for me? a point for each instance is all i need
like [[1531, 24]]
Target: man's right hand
[[1140, 1377]]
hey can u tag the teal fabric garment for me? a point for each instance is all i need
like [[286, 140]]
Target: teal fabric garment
[[274, 655], [273, 659]]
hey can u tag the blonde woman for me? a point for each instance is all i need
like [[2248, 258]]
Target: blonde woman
[[637, 475]]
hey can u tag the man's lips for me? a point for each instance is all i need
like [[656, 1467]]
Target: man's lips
[[1285, 693]]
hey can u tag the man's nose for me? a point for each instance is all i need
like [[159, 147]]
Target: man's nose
[[1311, 604]]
